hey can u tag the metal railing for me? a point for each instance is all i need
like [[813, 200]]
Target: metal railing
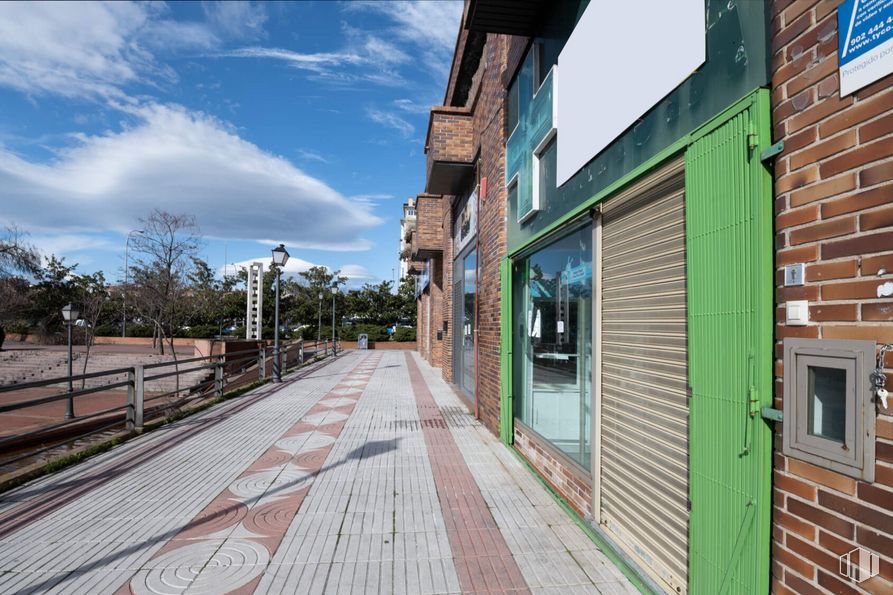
[[233, 370]]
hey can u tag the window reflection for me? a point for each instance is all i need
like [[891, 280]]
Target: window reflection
[[558, 344], [827, 403]]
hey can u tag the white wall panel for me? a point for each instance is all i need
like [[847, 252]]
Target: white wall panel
[[622, 58]]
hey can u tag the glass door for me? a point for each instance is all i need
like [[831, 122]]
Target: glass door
[[469, 295]]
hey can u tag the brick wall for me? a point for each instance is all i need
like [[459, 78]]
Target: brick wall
[[459, 134], [575, 487], [489, 126], [450, 135], [429, 233], [834, 212]]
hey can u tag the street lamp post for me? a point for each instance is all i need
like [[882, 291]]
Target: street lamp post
[[280, 257], [124, 289], [319, 322], [69, 315], [334, 291]]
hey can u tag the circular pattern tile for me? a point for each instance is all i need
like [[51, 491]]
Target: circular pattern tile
[[325, 417], [257, 484], [306, 441], [270, 519], [203, 568], [217, 516]]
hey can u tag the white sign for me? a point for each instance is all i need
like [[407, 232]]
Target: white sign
[[621, 59], [864, 42]]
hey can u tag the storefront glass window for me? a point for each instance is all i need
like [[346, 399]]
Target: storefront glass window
[[555, 394]]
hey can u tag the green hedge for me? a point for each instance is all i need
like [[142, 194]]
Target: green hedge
[[405, 333]]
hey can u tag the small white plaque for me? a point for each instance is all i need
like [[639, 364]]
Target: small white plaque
[[794, 274], [797, 313]]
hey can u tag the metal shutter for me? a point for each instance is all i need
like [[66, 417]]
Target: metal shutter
[[643, 453]]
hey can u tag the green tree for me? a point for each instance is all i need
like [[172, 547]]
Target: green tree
[[46, 298]]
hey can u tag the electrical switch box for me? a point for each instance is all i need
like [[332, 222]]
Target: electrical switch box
[[797, 313]]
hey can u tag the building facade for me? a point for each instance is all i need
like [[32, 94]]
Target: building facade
[[407, 225], [620, 244], [460, 236]]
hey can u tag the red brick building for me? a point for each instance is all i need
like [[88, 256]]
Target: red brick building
[[834, 215], [742, 397], [460, 237]]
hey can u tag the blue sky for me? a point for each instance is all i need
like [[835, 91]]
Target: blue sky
[[300, 123]]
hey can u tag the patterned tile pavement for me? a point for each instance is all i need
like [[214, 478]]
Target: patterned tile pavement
[[366, 475]]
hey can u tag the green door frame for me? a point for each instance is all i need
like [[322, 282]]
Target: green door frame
[[735, 557]]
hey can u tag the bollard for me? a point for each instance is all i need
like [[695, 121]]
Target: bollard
[[262, 363], [301, 353], [218, 377], [135, 394]]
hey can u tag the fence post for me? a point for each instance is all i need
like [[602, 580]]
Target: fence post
[[218, 376], [301, 353], [131, 400], [135, 398], [262, 363]]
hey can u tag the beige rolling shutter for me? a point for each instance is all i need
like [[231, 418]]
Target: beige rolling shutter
[[644, 407]]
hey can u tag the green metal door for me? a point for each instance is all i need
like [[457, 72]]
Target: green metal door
[[730, 316]]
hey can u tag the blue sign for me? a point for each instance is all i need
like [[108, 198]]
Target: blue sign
[[865, 42]]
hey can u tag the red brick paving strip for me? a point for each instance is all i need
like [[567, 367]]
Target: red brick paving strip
[[270, 521], [482, 558]]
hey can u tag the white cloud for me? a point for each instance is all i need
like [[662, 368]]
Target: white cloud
[[294, 265], [93, 50], [71, 245], [391, 121], [180, 161], [71, 49], [357, 274], [312, 156], [365, 59], [237, 20], [431, 27], [412, 107]]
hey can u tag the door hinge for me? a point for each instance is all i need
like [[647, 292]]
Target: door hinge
[[772, 414], [753, 139]]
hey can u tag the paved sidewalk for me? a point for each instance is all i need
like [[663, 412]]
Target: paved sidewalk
[[366, 476]]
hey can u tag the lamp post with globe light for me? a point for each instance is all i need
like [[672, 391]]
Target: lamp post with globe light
[[70, 314], [280, 257], [319, 322], [334, 292], [124, 288]]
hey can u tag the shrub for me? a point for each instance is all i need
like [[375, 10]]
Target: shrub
[[2, 337], [107, 330], [139, 330], [405, 333], [18, 328], [202, 331]]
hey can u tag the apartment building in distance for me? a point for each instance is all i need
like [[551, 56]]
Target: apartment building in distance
[[656, 244], [407, 226]]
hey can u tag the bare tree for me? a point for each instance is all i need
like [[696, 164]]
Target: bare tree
[[17, 257], [164, 255], [92, 295]]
